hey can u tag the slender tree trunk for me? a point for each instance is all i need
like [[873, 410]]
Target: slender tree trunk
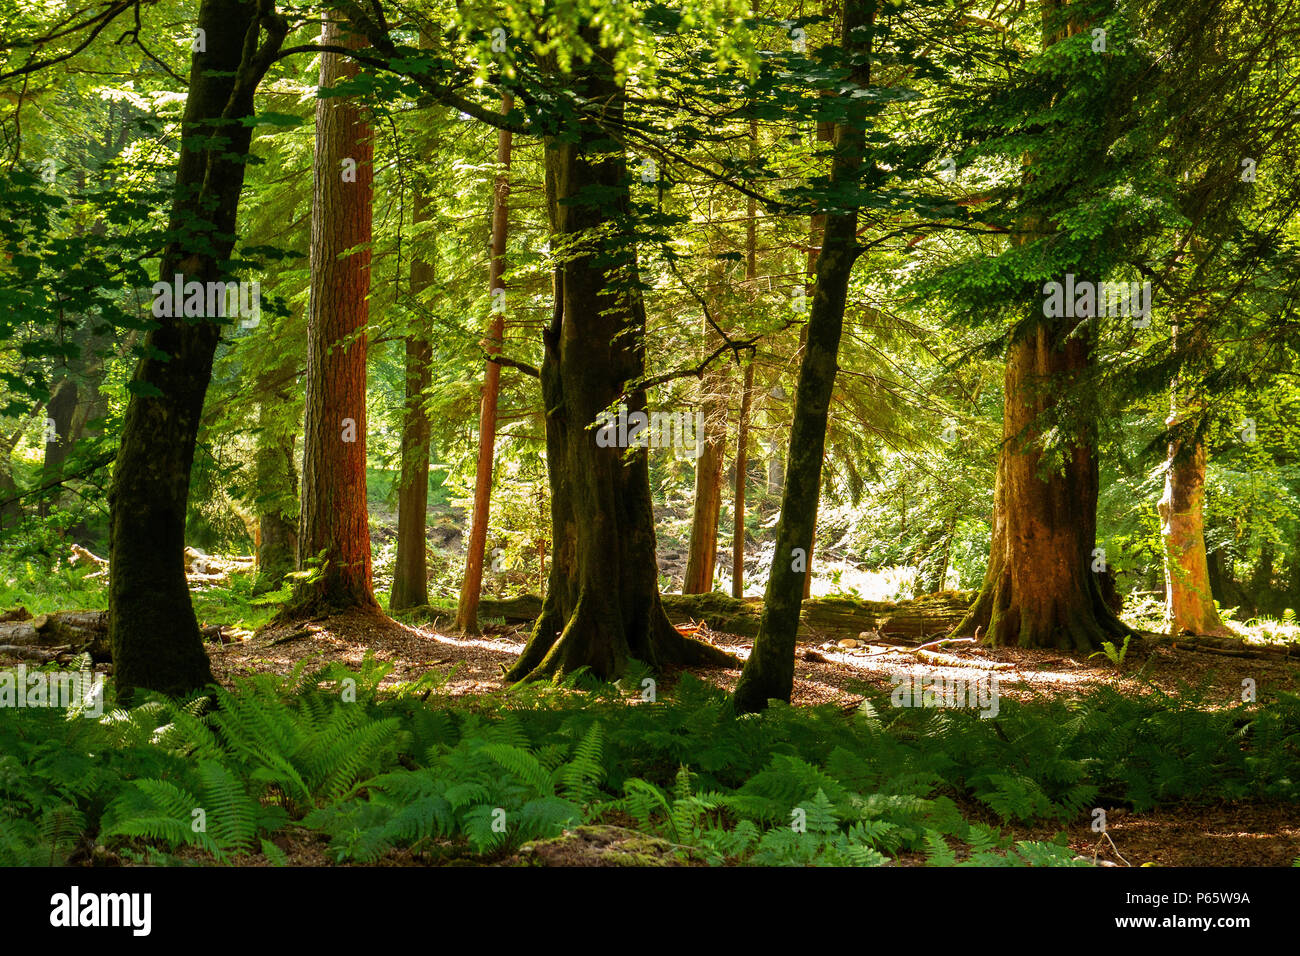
[[746, 392], [816, 233], [472, 583], [59, 413], [152, 628], [411, 571], [742, 467], [335, 521], [703, 551], [602, 605], [276, 478], [769, 672]]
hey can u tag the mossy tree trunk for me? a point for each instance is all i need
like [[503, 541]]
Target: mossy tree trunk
[[769, 672], [602, 604], [152, 628]]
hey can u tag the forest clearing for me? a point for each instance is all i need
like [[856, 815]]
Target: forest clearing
[[613, 433]]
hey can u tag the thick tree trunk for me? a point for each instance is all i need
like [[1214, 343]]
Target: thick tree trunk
[[703, 551], [769, 672], [472, 583], [602, 604], [1040, 589], [152, 628], [1189, 599], [335, 518]]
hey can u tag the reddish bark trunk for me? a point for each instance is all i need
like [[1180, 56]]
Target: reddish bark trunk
[[335, 517], [472, 584]]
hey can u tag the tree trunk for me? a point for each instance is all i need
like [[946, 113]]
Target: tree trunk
[[152, 628], [703, 552], [1189, 599], [746, 391], [1040, 589], [276, 476], [472, 584], [742, 465], [59, 414], [411, 571], [602, 604], [769, 672], [335, 520]]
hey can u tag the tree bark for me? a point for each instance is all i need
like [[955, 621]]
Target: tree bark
[[152, 628], [769, 672], [472, 583], [703, 550], [276, 476], [746, 392], [411, 571], [1189, 599], [59, 414], [602, 605], [335, 520], [1040, 589], [742, 465]]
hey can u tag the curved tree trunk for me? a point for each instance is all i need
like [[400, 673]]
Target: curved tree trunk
[[152, 628], [335, 518], [602, 604]]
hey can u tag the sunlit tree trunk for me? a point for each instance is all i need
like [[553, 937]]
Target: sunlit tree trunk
[[335, 519], [703, 550], [472, 583], [1041, 588]]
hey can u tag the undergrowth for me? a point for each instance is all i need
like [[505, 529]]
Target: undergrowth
[[372, 773]]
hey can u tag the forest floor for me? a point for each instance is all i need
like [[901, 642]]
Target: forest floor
[[1237, 834]]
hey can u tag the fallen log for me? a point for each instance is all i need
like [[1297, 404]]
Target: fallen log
[[74, 631], [821, 619]]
